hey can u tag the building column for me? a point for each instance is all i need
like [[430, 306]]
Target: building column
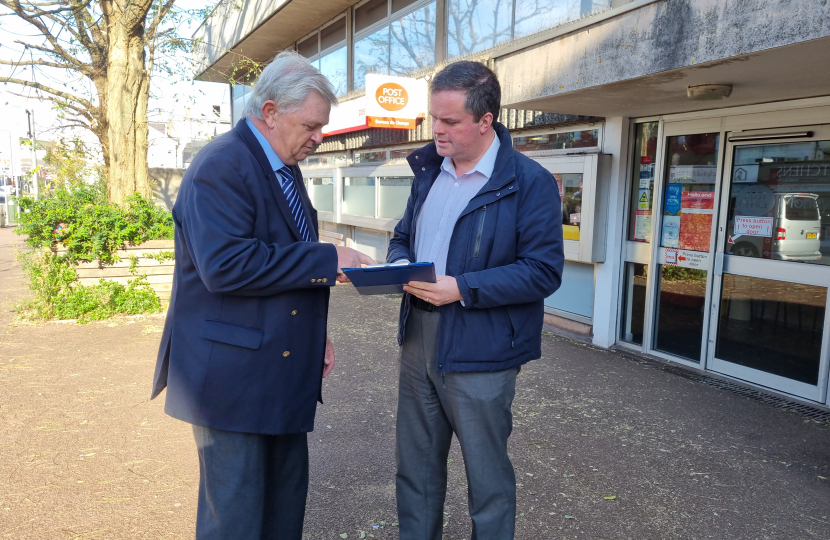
[[440, 31], [607, 274]]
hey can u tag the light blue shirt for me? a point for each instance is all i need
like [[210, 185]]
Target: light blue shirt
[[273, 158], [449, 196]]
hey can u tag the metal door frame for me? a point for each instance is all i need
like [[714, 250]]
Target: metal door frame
[[808, 274], [673, 129]]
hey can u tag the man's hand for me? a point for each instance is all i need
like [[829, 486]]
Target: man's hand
[[444, 291], [350, 258], [328, 360]]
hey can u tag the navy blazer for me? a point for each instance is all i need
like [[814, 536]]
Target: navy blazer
[[244, 340], [506, 253]]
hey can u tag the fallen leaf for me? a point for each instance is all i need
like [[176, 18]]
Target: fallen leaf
[[610, 498], [569, 517], [344, 535]]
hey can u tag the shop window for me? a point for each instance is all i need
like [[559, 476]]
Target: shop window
[[570, 191], [405, 44], [398, 5], [642, 182], [310, 46], [321, 192], [400, 154], [333, 34], [536, 15], [333, 66], [412, 41], [476, 25], [370, 13], [370, 157], [393, 196], [371, 55], [689, 200], [588, 138], [325, 160], [240, 94], [779, 202], [772, 326], [359, 196], [326, 50]]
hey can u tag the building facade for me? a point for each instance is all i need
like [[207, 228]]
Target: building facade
[[690, 140]]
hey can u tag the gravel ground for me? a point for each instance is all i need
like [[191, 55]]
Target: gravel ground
[[605, 446]]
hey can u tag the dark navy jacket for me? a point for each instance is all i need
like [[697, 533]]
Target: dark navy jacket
[[244, 341], [506, 253]]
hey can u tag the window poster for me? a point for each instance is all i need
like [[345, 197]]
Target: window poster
[[696, 213], [559, 183], [671, 215], [642, 226], [642, 216], [646, 172]]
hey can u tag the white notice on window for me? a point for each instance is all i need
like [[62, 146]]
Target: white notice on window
[[751, 226]]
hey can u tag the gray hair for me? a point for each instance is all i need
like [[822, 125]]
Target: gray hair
[[477, 81], [287, 81]]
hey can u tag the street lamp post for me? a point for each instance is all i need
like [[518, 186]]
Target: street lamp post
[[30, 116]]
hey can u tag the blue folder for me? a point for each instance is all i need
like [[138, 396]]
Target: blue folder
[[389, 278]]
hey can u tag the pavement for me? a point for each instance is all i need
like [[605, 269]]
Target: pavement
[[605, 444]]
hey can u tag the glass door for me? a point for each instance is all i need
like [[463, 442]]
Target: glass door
[[684, 239], [769, 322]]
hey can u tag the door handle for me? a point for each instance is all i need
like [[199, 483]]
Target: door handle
[[718, 263]]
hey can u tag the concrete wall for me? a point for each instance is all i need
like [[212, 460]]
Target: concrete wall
[[657, 37], [166, 185]]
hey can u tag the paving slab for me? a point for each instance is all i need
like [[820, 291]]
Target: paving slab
[[605, 445]]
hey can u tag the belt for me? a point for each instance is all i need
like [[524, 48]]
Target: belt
[[414, 301]]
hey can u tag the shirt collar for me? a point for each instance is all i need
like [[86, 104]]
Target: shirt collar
[[273, 158], [484, 166]]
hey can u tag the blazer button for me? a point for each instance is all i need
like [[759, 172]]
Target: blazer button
[[423, 168], [498, 194], [325, 280], [286, 354], [313, 280], [511, 187], [294, 312]]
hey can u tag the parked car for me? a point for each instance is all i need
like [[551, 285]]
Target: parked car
[[796, 231]]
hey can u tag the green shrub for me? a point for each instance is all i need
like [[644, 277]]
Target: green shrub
[[106, 299], [678, 273], [90, 227]]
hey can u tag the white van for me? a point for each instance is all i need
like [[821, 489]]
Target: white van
[[796, 231]]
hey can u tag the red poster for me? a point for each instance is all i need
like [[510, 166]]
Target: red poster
[[696, 213]]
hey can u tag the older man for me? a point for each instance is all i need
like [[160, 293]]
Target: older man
[[490, 220], [244, 346]]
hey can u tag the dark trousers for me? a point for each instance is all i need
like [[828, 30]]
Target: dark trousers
[[431, 407], [251, 487]]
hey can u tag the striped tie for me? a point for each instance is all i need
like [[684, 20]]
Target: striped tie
[[293, 198]]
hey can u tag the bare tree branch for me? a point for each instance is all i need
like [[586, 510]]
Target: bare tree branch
[[49, 90]]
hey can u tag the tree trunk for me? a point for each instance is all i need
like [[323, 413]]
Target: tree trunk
[[128, 87]]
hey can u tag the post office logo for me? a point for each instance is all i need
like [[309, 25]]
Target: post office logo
[[392, 96]]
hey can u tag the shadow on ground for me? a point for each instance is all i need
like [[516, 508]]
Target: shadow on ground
[[604, 447]]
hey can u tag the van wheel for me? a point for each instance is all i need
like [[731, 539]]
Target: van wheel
[[745, 249]]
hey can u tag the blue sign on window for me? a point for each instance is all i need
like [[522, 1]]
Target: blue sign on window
[[673, 195]]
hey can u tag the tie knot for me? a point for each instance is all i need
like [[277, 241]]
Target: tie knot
[[285, 174]]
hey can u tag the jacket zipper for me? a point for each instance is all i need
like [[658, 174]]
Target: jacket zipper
[[480, 230]]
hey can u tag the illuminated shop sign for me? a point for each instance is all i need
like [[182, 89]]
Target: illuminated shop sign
[[390, 103]]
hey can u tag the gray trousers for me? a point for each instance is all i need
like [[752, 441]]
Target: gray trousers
[[431, 407], [251, 487]]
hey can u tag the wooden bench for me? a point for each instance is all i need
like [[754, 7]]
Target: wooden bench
[[330, 237]]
